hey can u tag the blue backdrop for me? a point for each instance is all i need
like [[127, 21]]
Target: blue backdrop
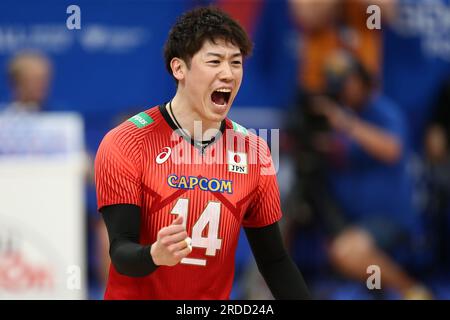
[[113, 65]]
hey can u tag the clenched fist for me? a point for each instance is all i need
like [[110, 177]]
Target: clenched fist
[[172, 244]]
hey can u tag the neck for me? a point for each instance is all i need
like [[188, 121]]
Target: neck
[[191, 121], [21, 97]]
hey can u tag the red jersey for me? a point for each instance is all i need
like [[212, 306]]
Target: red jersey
[[217, 189]]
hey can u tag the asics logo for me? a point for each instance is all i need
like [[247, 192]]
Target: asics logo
[[163, 155]]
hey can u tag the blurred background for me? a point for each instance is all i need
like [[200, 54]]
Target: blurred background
[[361, 96]]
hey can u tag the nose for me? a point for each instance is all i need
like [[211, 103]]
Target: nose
[[226, 73]]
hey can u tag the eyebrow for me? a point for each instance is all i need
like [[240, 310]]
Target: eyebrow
[[214, 54]]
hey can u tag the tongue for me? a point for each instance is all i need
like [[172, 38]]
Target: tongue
[[218, 98]]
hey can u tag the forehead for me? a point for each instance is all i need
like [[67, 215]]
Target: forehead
[[220, 46], [27, 65]]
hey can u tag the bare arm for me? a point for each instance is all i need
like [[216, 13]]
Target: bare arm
[[376, 141]]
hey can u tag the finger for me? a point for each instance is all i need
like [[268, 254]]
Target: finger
[[172, 229], [178, 220], [188, 243], [176, 237], [179, 246], [183, 253]]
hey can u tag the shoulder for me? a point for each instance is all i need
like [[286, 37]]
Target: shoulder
[[256, 146], [387, 109], [249, 135], [385, 105], [132, 131]]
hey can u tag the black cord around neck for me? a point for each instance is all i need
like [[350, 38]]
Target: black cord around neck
[[174, 118], [203, 143]]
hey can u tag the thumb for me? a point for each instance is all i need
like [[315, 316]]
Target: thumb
[[178, 220]]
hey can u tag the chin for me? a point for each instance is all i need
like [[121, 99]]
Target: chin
[[218, 113], [217, 117]]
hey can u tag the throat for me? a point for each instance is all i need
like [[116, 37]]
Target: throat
[[192, 127]]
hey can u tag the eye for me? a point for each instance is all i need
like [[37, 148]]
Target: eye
[[236, 63], [214, 62]]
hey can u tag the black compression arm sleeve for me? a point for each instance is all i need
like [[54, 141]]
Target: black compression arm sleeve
[[128, 256], [278, 270]]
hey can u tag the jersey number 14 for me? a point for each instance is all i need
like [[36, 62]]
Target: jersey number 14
[[210, 216]]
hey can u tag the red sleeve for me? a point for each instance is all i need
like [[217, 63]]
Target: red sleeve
[[117, 170], [265, 207]]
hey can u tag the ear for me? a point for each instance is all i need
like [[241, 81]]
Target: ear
[[178, 67]]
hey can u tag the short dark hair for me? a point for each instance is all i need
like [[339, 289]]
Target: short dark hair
[[201, 24], [339, 67]]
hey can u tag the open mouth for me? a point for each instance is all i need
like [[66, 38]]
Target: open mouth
[[221, 97]]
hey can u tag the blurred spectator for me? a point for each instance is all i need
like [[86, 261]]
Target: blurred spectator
[[437, 160], [327, 26], [416, 60], [29, 75], [437, 141], [365, 199]]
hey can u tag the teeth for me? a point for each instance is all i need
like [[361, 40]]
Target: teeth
[[223, 90]]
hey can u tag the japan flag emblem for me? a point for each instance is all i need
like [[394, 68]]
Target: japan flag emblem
[[237, 162]]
